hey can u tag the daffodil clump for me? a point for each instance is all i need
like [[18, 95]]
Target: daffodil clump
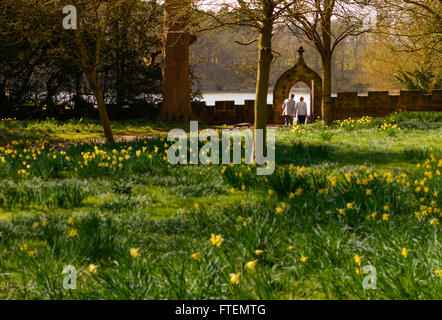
[[353, 124], [27, 159]]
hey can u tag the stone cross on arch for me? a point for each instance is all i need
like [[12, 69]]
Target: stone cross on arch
[[301, 53]]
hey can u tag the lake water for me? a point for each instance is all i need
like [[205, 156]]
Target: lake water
[[240, 97]]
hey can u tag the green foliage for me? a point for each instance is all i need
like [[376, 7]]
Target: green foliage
[[37, 193], [325, 135], [423, 80], [40, 76]]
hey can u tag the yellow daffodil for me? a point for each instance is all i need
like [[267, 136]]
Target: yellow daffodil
[[385, 217], [216, 240], [71, 221], [359, 271], [304, 259], [134, 252], [357, 259], [373, 216], [251, 264], [404, 252], [196, 256], [438, 272], [93, 268], [234, 277], [259, 252], [73, 233]]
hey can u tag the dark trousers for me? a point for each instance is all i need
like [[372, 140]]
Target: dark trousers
[[301, 119], [288, 120]]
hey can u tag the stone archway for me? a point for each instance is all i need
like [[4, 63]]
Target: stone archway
[[299, 73]]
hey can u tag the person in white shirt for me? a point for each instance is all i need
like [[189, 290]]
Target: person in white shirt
[[288, 110], [301, 111]]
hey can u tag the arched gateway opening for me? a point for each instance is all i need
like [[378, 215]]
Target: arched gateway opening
[[301, 89], [285, 84]]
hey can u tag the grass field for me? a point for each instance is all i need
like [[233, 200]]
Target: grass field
[[344, 197]]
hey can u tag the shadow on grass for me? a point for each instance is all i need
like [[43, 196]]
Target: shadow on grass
[[316, 154]]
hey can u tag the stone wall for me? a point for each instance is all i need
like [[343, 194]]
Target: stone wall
[[226, 112], [344, 106], [381, 103]]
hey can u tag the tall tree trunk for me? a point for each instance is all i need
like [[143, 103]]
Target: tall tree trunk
[[90, 69], [326, 57], [265, 57], [176, 78], [326, 90], [92, 79]]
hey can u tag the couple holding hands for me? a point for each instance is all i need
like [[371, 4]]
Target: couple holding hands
[[291, 109]]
